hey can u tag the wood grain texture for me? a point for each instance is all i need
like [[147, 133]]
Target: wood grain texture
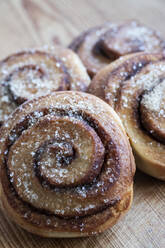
[[27, 23]]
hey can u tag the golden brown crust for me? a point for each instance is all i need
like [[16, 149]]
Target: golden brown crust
[[134, 86], [99, 46], [114, 213], [36, 72], [131, 37], [87, 47], [87, 163]]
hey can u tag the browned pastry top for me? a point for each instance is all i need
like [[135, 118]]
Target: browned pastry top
[[131, 37], [99, 46], [36, 72], [134, 86], [65, 161]]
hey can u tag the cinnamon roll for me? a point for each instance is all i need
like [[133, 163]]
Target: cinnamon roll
[[66, 165], [134, 85], [36, 72], [100, 46]]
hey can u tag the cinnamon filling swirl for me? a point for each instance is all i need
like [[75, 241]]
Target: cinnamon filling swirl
[[30, 74], [152, 111], [61, 161], [99, 46], [134, 86]]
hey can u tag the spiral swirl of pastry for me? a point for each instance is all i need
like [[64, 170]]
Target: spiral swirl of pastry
[[100, 46], [66, 165], [32, 73], [134, 86]]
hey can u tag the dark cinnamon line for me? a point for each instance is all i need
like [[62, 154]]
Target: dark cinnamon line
[[141, 64], [138, 116], [138, 67], [119, 28], [49, 214], [98, 50], [99, 47], [19, 100], [9, 144], [138, 62], [42, 53], [90, 122], [109, 54], [36, 165], [76, 43]]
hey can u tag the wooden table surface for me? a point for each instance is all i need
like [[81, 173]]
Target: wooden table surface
[[31, 23]]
